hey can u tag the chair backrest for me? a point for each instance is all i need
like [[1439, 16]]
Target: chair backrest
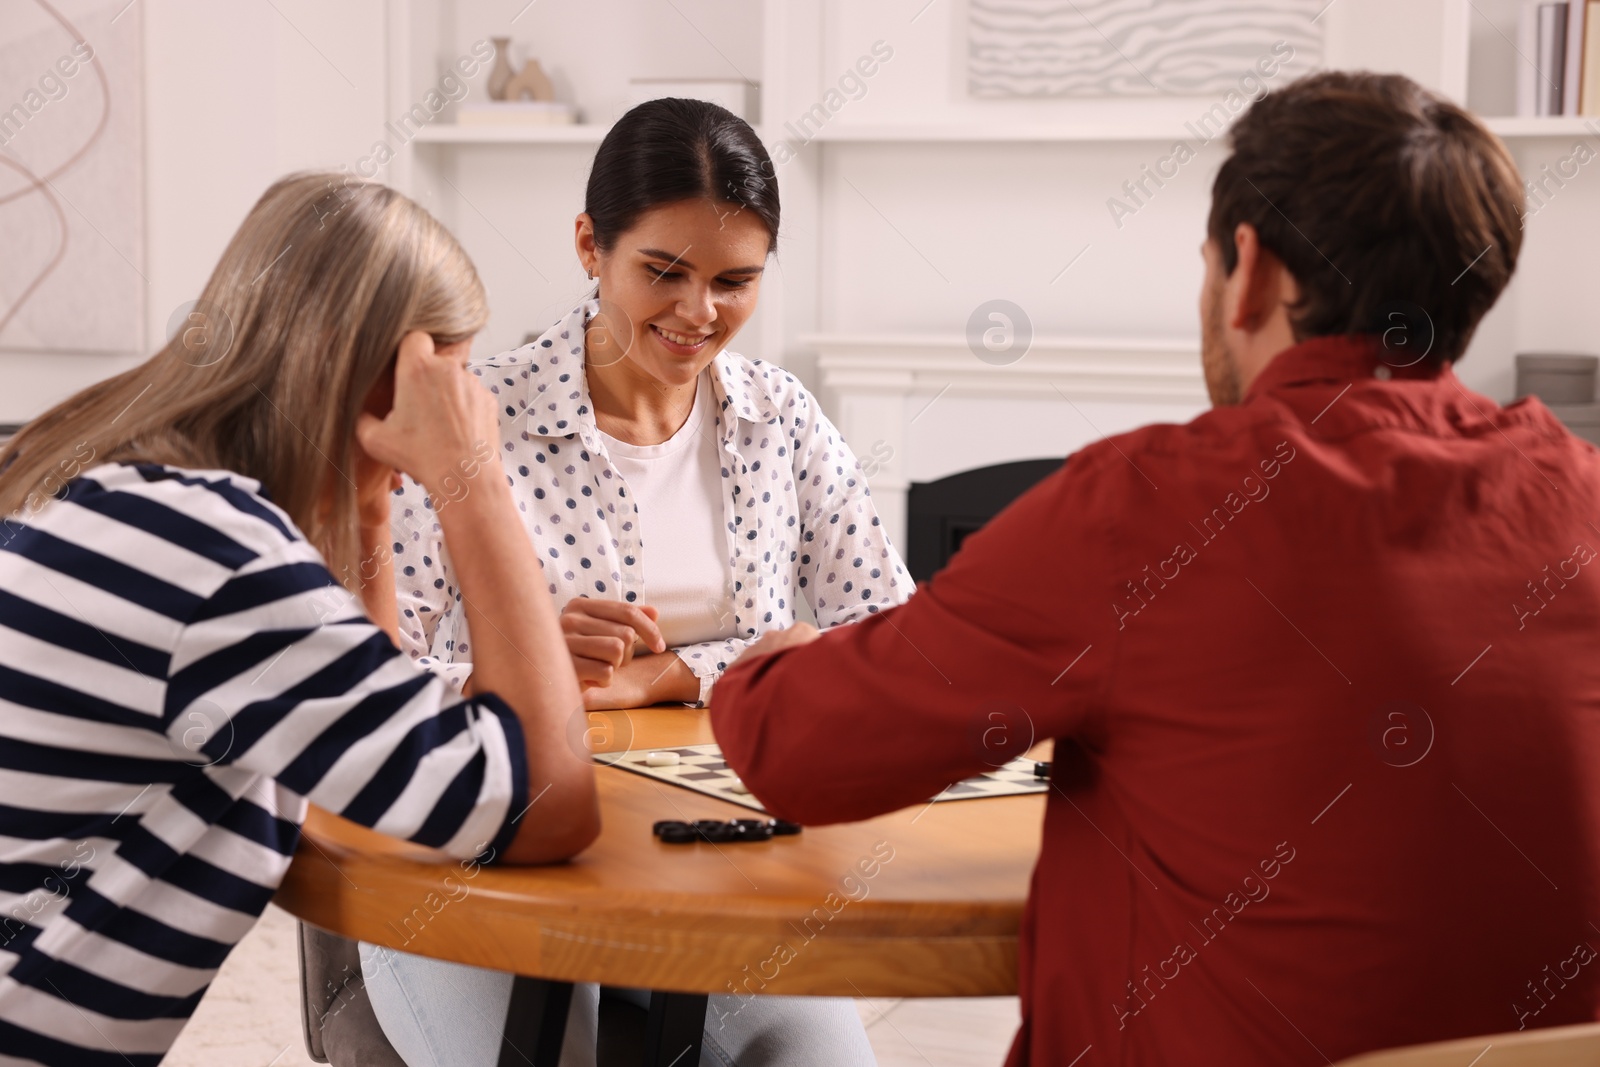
[[940, 514], [1562, 1046]]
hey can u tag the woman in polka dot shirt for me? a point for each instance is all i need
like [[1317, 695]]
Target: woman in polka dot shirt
[[682, 500], [682, 497]]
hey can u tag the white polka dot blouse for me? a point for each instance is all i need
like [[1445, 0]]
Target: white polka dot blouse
[[799, 518]]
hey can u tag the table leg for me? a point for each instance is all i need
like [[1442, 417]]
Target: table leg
[[675, 1029], [536, 1023]]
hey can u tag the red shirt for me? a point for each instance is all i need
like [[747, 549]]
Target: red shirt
[[1323, 675]]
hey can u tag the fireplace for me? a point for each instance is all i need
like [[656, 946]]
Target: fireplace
[[919, 409]]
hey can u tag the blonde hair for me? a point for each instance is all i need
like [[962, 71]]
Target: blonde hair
[[302, 316]]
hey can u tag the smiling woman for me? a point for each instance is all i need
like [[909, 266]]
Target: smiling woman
[[630, 424], [681, 498]]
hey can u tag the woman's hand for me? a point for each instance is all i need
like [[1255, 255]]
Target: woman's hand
[[646, 680], [374, 479], [443, 424], [602, 636]]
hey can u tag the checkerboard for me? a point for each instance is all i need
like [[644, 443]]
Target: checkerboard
[[701, 768]]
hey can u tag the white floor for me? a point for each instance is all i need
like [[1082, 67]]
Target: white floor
[[251, 1016]]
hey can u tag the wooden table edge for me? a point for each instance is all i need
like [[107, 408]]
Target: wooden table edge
[[353, 882], [590, 937]]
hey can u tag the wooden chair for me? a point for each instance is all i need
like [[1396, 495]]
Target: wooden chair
[[1562, 1046]]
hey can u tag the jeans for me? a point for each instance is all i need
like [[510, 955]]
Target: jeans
[[441, 1014]]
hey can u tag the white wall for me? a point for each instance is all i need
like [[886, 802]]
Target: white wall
[[919, 234], [235, 95], [1548, 307]]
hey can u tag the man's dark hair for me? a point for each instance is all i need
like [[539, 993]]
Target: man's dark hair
[[1375, 194]]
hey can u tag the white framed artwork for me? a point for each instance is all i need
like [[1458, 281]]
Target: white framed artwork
[[72, 278], [1112, 48]]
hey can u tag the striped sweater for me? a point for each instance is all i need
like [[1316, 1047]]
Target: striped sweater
[[179, 676]]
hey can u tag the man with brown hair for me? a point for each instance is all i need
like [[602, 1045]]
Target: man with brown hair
[[1320, 664]]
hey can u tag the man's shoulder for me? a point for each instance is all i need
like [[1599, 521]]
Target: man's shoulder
[[1209, 444]]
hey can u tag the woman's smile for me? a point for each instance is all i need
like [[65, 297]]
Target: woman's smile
[[680, 344]]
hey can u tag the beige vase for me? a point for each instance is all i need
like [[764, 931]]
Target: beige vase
[[501, 72]]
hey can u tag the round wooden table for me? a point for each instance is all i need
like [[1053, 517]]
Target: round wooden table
[[923, 902]]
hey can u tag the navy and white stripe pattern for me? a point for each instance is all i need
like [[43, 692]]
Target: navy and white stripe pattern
[[179, 675], [1131, 47]]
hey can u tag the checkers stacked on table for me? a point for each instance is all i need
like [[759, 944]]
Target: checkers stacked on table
[[677, 832], [702, 769]]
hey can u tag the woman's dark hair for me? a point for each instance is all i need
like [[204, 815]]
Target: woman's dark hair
[[1376, 194], [668, 150]]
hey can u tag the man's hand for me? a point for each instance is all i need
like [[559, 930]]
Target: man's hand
[[801, 633]]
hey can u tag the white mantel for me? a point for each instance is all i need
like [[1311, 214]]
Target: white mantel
[[919, 407]]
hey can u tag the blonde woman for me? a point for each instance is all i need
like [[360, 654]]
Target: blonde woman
[[180, 671]]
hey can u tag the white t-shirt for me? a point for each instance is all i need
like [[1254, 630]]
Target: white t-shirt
[[678, 488]]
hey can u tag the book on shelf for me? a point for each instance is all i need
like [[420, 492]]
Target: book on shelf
[[1550, 57], [1589, 95], [1527, 58], [1558, 68], [1572, 64]]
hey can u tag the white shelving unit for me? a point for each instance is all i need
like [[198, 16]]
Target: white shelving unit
[[1443, 40], [452, 134], [913, 203], [1511, 127], [1138, 129], [1507, 127]]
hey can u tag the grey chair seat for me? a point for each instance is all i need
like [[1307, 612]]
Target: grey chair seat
[[342, 1030], [340, 1026]]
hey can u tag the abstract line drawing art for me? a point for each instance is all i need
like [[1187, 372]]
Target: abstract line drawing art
[[1100, 48], [71, 177]]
